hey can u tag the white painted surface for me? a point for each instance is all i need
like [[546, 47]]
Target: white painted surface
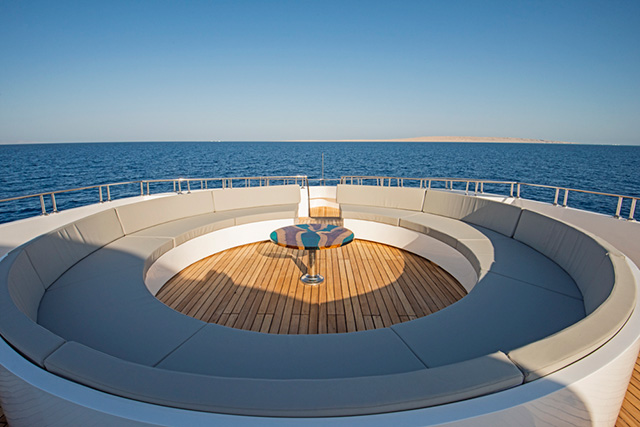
[[201, 247]]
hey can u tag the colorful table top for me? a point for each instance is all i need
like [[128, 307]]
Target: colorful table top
[[312, 236]]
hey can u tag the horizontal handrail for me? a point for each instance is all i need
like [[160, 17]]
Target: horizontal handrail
[[223, 182], [185, 184], [479, 188]]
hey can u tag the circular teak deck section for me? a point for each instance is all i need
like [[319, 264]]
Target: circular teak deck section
[[256, 287]]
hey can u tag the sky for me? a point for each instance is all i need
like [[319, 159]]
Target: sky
[[279, 70]]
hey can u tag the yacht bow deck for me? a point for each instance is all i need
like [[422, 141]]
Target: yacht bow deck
[[254, 285], [257, 287]]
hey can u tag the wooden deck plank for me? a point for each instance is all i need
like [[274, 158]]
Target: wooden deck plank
[[630, 411], [257, 287]]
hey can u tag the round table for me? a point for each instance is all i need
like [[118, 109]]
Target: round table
[[312, 237]]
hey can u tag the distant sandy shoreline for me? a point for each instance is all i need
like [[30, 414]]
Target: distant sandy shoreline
[[447, 139]]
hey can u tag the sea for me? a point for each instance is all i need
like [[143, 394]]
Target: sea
[[39, 168]]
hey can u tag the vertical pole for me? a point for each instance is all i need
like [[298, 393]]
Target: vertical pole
[[100, 189], [312, 262], [633, 209], [322, 168], [53, 203], [44, 209], [108, 194], [566, 196], [618, 208]]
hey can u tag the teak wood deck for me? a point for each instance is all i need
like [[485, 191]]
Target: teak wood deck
[[345, 303], [257, 287]]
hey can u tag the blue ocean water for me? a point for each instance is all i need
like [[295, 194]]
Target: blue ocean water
[[28, 169]]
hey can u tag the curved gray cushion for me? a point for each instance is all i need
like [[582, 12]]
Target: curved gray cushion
[[185, 229], [221, 351], [384, 197], [104, 303], [389, 216], [138, 216], [493, 215], [285, 398], [17, 325], [575, 250], [499, 314], [55, 252], [242, 198], [545, 356]]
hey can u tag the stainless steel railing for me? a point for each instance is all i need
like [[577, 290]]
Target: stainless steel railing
[[515, 188], [180, 185]]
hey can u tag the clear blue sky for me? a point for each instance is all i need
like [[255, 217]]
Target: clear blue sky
[[274, 70]]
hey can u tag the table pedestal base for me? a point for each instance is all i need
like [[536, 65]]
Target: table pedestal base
[[312, 277]]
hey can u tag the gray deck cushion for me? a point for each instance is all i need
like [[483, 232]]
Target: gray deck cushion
[[374, 213], [447, 230], [17, 325], [53, 253], [111, 310], [545, 356], [185, 229], [138, 216], [384, 197], [511, 258], [488, 250], [496, 216], [24, 285], [265, 213], [288, 398], [248, 354], [499, 314], [575, 250], [241, 198]]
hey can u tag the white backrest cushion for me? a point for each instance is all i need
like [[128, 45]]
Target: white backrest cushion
[[138, 216], [226, 199], [55, 252], [386, 197], [578, 252]]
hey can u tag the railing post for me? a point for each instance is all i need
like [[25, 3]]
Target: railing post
[[619, 207], [100, 191], [518, 194], [566, 196], [632, 210], [429, 188], [141, 188], [555, 199], [147, 188], [466, 190], [53, 203], [481, 187], [188, 186], [180, 186], [44, 209], [108, 194], [476, 189], [511, 191]]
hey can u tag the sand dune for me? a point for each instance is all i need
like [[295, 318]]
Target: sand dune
[[456, 139]]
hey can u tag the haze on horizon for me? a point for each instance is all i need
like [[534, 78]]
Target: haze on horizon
[[299, 70]]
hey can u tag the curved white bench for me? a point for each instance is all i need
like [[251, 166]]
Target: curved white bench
[[75, 303]]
